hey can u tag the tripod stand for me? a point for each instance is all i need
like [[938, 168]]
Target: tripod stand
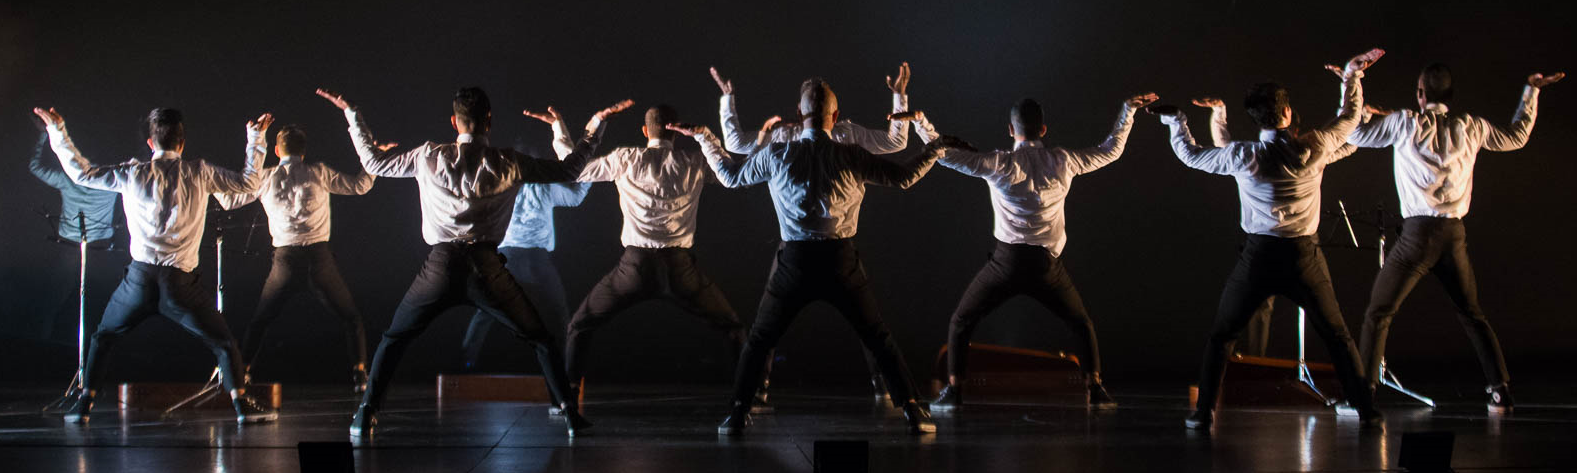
[[213, 387], [75, 388]]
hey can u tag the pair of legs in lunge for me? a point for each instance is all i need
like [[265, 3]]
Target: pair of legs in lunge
[[149, 290], [458, 273], [311, 268]]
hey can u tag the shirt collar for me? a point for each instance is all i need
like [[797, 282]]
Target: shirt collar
[[166, 154], [1268, 135], [812, 133], [659, 143], [1027, 144], [288, 160], [471, 138], [1434, 107]]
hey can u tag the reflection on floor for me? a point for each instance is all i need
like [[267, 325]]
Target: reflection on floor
[[657, 429]]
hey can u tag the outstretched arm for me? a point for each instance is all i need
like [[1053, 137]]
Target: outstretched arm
[[339, 183], [1516, 135], [375, 157], [734, 138], [1089, 159], [896, 137], [46, 171], [886, 172], [1219, 134], [225, 181], [1225, 161], [754, 168], [711, 148], [1335, 134], [77, 167]]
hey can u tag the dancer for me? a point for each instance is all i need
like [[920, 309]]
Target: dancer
[[295, 196], [1029, 188], [1279, 192], [78, 204], [165, 201], [467, 190], [659, 193], [817, 186], [1435, 149]]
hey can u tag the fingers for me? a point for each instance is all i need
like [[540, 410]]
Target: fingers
[[386, 146], [905, 116], [619, 107], [771, 123], [1146, 98], [50, 117], [548, 117]]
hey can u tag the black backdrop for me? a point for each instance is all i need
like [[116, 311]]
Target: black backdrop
[[1150, 240]]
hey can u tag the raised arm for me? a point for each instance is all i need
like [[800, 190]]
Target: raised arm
[[569, 166], [339, 183], [1219, 134], [77, 167], [1335, 134], [891, 173], [236, 201], [567, 194], [896, 137], [734, 139], [375, 157], [1225, 161], [754, 168], [225, 181], [46, 171], [1516, 135], [1081, 161]]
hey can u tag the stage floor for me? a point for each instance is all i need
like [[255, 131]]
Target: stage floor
[[659, 429]]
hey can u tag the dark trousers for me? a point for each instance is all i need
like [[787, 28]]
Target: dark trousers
[[311, 268], [805, 272], [464, 274], [646, 274], [534, 271], [150, 290], [1293, 268], [1439, 246], [1028, 270]]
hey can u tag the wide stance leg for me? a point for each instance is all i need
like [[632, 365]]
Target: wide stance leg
[[1058, 293], [991, 287], [1455, 272], [1246, 288], [136, 299], [1314, 292], [1408, 261], [851, 294], [493, 290], [185, 301], [433, 291], [282, 278], [331, 290], [781, 302], [624, 286]]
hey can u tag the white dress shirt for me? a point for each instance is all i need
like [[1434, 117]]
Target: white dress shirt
[[467, 188], [659, 189], [740, 141], [166, 197], [1435, 151], [1029, 185], [531, 224], [295, 196], [96, 207], [1220, 136], [1279, 176], [817, 184]]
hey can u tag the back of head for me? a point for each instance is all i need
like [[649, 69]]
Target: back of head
[[166, 128], [1265, 102], [291, 141], [473, 109], [1027, 119], [816, 101], [657, 120], [1434, 84]]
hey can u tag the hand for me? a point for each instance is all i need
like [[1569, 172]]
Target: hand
[[334, 98], [686, 129], [1540, 80], [38, 123], [50, 117], [385, 146], [1377, 110], [727, 86], [614, 109], [1209, 102], [1142, 100], [772, 123], [900, 85], [1163, 110], [909, 116], [949, 141], [261, 124], [552, 116], [1358, 63]]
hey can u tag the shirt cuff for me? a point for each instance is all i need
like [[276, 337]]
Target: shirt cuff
[[1529, 93], [1177, 119]]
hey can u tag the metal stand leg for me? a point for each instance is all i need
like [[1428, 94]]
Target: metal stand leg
[[1303, 366], [74, 389], [209, 390], [1388, 379], [213, 386]]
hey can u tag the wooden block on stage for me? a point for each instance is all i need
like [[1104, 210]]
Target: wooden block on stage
[[163, 395], [1254, 381], [492, 387], [998, 372]]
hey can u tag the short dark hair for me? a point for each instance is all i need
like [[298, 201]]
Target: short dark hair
[[472, 107], [292, 140], [165, 128], [1436, 82], [657, 120], [816, 98], [1264, 102], [1027, 119]]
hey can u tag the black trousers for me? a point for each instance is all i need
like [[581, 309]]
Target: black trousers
[[646, 274], [1439, 246], [534, 270], [457, 274], [827, 270], [310, 268], [1028, 270], [1293, 268], [150, 290]]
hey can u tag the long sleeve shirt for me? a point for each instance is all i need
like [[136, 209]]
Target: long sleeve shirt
[[1029, 185], [659, 189], [741, 141], [817, 184], [467, 188], [1435, 150], [166, 197], [531, 224], [97, 207], [1279, 176], [1220, 135], [295, 196]]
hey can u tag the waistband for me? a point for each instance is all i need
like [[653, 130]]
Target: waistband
[[835, 244]]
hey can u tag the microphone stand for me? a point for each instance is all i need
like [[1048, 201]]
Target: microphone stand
[[1387, 377], [212, 387], [75, 388], [1304, 376]]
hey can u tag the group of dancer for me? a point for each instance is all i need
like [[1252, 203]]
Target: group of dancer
[[487, 213]]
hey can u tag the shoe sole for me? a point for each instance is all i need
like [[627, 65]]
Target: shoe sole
[[730, 431], [256, 419], [944, 407], [1196, 425], [1104, 406], [922, 429], [763, 410], [1499, 410], [75, 419]]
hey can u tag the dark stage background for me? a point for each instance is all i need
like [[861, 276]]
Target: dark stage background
[[1150, 240]]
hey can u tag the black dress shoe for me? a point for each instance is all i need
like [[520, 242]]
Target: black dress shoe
[[1499, 399], [951, 398], [365, 421], [79, 410], [1200, 420], [760, 404], [879, 388], [249, 411], [919, 419], [738, 420], [1099, 400], [574, 424]]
